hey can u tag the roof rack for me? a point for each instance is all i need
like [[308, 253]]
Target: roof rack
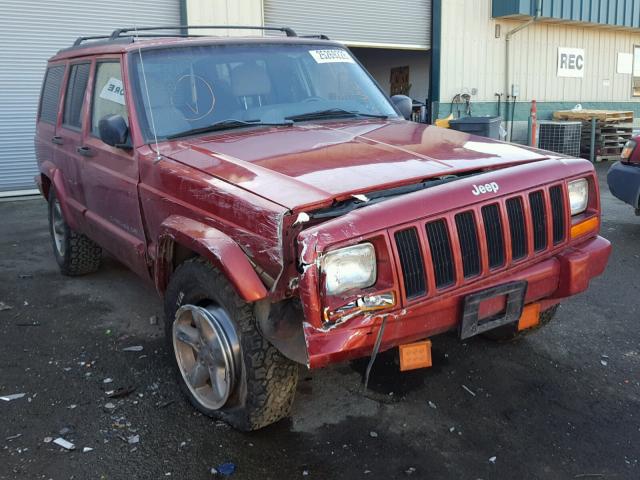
[[320, 36], [131, 32], [117, 33]]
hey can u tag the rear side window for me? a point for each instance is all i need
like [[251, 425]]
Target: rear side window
[[108, 94], [76, 86], [51, 94]]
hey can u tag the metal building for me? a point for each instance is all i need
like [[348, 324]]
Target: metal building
[[30, 32], [391, 39], [566, 53]]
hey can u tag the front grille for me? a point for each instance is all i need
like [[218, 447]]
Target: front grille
[[557, 213], [539, 219], [545, 213], [468, 235], [493, 234], [441, 255], [517, 228], [411, 262]]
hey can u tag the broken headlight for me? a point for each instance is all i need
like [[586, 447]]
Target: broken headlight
[[349, 268]]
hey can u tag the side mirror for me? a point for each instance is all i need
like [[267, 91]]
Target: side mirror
[[404, 104], [114, 131]]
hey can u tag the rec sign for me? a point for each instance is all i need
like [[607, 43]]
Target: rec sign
[[570, 62]]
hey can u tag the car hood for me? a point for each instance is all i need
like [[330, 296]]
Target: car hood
[[313, 164]]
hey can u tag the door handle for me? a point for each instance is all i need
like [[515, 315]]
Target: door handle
[[57, 140], [85, 151]]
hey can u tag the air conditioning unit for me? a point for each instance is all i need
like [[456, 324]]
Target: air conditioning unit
[[560, 137]]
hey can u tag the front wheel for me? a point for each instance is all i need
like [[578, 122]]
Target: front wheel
[[75, 253], [226, 368]]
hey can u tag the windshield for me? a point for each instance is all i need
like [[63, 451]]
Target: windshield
[[189, 88]]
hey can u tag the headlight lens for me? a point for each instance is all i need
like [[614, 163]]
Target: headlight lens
[[349, 268], [578, 195]]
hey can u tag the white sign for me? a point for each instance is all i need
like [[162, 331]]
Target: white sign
[[113, 91], [335, 55], [625, 63], [570, 62]]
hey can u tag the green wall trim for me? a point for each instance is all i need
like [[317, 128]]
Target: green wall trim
[[545, 109]]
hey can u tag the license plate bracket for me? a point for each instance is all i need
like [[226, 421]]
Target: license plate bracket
[[472, 325]]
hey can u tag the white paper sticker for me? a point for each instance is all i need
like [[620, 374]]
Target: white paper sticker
[[571, 62], [625, 63], [331, 56], [113, 91]]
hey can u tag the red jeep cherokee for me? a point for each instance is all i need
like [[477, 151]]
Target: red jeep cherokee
[[289, 214]]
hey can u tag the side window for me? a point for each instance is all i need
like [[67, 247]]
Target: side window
[[51, 94], [76, 86], [108, 94]]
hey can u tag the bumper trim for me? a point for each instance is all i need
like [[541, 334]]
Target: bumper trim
[[550, 280]]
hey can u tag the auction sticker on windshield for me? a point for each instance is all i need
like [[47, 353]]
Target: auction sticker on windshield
[[331, 56]]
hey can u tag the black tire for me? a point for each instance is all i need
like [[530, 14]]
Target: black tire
[[510, 332], [78, 254], [266, 388]]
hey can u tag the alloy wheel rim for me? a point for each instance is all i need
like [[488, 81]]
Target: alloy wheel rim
[[57, 228], [207, 352]]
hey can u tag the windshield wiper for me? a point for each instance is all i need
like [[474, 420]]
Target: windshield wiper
[[332, 113], [227, 124]]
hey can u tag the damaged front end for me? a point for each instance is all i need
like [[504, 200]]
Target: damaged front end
[[405, 266]]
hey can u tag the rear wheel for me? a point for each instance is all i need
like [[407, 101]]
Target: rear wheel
[[511, 332], [226, 368], [75, 253]]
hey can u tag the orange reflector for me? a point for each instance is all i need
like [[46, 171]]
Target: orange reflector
[[415, 355], [581, 228], [530, 316]]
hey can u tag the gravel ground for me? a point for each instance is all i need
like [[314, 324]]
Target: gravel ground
[[563, 403]]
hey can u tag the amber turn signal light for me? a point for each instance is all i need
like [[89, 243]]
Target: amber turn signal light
[[581, 228]]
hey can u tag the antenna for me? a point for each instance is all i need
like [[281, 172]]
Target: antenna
[[146, 88]]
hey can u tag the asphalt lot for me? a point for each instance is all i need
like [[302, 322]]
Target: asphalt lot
[[563, 403]]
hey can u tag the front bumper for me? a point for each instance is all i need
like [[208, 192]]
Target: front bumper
[[549, 281], [624, 183]]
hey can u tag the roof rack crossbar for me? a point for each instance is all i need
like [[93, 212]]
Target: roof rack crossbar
[[79, 40], [119, 31], [320, 36]]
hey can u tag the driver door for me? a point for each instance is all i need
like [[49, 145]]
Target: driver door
[[110, 175]]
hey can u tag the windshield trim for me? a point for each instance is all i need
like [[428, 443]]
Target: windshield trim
[[147, 136]]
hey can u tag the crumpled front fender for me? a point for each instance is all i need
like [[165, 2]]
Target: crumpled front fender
[[210, 243]]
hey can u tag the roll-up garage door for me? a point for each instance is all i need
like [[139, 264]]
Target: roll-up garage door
[[372, 23], [30, 32]]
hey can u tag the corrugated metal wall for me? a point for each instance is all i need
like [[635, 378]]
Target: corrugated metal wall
[[30, 32], [225, 12], [623, 13], [473, 58], [356, 22]]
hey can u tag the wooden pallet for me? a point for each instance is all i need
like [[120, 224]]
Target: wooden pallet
[[607, 158], [587, 115]]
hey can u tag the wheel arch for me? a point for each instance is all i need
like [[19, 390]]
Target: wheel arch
[[181, 238], [54, 178]]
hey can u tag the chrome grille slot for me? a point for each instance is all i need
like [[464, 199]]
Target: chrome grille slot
[[468, 238], [441, 255], [557, 213], [411, 262], [494, 235], [517, 228], [539, 219]]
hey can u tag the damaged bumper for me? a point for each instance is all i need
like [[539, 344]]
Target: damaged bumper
[[548, 281]]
